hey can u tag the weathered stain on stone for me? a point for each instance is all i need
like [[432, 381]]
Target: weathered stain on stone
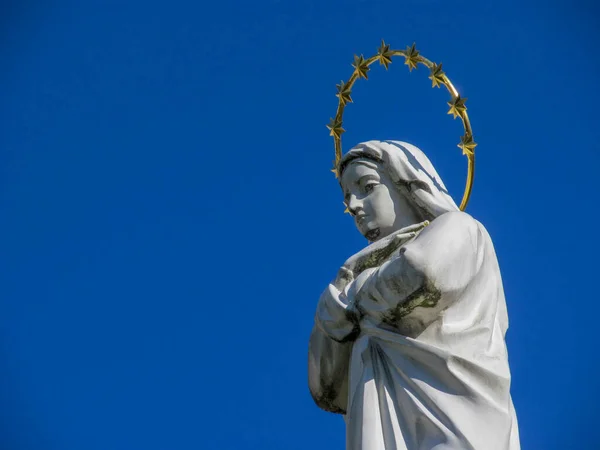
[[326, 399], [426, 296]]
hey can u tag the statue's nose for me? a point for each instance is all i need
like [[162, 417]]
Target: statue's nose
[[354, 205]]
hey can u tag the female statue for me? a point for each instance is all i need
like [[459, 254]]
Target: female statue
[[408, 341]]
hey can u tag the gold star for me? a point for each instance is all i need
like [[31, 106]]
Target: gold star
[[457, 106], [467, 145], [346, 211], [343, 94], [335, 170], [412, 57], [437, 75], [335, 128], [385, 54], [360, 67]]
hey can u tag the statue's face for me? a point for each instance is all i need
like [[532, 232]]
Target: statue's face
[[377, 205]]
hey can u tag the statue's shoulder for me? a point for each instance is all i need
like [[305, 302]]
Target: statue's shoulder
[[455, 221], [462, 227]]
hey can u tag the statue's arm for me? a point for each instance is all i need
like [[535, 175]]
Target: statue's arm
[[438, 264], [328, 367], [330, 347]]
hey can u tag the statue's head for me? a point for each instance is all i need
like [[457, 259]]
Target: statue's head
[[389, 185]]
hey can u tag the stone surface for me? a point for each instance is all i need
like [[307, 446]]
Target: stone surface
[[408, 341]]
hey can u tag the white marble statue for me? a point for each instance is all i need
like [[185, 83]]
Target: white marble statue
[[408, 342]]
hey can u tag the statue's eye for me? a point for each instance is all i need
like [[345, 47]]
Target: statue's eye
[[369, 187]]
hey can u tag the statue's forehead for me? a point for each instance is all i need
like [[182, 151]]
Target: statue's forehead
[[359, 168]]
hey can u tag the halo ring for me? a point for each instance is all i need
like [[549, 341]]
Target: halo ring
[[411, 58]]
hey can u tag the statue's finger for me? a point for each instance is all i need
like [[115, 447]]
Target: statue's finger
[[404, 237], [414, 227]]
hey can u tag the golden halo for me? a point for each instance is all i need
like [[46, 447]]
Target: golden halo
[[411, 58]]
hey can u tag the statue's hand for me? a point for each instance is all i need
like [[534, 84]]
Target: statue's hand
[[377, 252]]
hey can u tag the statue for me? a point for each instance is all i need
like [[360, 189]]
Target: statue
[[408, 342]]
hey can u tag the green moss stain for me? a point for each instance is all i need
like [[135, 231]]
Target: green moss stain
[[424, 297]]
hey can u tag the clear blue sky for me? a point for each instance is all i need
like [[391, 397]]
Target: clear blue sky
[[168, 218]]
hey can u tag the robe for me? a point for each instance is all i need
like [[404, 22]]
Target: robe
[[412, 352]]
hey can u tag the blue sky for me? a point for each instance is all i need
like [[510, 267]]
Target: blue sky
[[168, 218]]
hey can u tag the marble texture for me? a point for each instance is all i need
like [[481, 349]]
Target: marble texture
[[408, 342]]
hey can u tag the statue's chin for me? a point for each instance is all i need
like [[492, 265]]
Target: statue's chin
[[373, 235]]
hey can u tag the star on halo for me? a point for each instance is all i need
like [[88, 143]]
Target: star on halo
[[437, 75], [360, 66], [344, 90], [385, 54], [467, 144], [457, 106], [335, 168], [411, 57], [335, 128]]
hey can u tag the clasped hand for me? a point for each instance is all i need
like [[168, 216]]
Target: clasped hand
[[376, 253]]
